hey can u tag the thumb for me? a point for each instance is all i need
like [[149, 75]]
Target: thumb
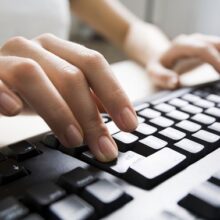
[[163, 77]]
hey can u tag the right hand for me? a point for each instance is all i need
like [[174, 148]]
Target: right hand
[[57, 79]]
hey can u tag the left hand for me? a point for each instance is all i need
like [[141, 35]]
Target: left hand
[[196, 48]]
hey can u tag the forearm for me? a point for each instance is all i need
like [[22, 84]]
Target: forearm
[[144, 42]]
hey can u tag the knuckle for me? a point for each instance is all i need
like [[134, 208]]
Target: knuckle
[[45, 36], [14, 42], [24, 69], [179, 39], [93, 58]]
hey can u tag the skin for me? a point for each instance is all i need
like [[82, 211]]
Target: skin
[[64, 82]]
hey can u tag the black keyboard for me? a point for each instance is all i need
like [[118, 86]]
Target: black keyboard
[[41, 179]]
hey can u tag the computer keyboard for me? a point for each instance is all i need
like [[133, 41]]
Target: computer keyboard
[[41, 179]]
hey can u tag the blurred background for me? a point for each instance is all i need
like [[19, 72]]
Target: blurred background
[[174, 17]]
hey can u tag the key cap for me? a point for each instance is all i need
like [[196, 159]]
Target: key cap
[[206, 136], [189, 126], [105, 196], [189, 145], [172, 133], [11, 209], [178, 102], [192, 109], [215, 126], [162, 121], [191, 98], [204, 119], [42, 195], [178, 115], [213, 98], [72, 207], [141, 106], [10, 171], [33, 217], [140, 119], [51, 141], [213, 111], [163, 107], [204, 201], [125, 160], [153, 142], [125, 137], [112, 127], [204, 103], [146, 129], [76, 179], [149, 113], [124, 140], [144, 171], [23, 150]]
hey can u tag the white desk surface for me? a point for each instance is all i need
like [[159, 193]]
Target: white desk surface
[[133, 79]]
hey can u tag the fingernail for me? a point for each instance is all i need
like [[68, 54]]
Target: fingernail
[[129, 119], [73, 136], [8, 103], [107, 148]]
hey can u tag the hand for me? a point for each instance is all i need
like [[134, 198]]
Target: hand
[[192, 50], [57, 79]]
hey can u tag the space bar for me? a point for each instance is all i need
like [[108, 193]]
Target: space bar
[[146, 172]]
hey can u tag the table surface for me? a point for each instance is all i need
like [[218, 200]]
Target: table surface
[[14, 129]]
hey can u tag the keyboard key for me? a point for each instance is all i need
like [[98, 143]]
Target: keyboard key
[[23, 150], [204, 103], [192, 109], [50, 140], [10, 171], [149, 113], [155, 165], [33, 217], [11, 209], [125, 160], [44, 194], [213, 98], [206, 136], [178, 102], [204, 201], [141, 106], [163, 107], [191, 98], [189, 126], [140, 119], [162, 121], [172, 133], [178, 115], [190, 146], [215, 126], [125, 137], [105, 119], [72, 207], [76, 179], [213, 111], [146, 129], [112, 127], [153, 142], [105, 196], [204, 119]]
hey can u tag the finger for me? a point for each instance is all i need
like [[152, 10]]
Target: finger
[[10, 103], [29, 80], [163, 77], [99, 77], [72, 85]]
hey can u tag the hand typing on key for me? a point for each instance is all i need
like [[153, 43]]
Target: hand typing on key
[[59, 80]]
